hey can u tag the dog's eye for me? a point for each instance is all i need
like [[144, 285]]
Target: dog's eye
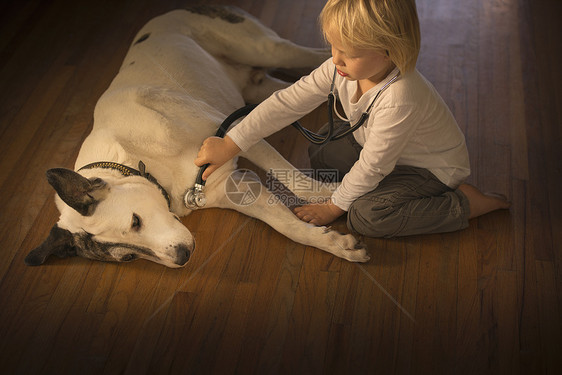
[[136, 223], [128, 258]]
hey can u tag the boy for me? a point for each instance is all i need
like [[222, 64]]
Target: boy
[[404, 169]]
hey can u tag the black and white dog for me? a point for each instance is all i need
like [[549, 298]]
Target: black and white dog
[[184, 73]]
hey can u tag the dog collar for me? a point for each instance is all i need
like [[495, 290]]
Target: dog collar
[[128, 171]]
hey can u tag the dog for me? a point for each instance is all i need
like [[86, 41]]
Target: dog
[[183, 74]]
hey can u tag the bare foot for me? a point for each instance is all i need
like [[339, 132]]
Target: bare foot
[[482, 203]]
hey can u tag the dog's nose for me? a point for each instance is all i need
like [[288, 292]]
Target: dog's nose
[[182, 254]]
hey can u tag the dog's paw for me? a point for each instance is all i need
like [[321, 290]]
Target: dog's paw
[[347, 247], [358, 253]]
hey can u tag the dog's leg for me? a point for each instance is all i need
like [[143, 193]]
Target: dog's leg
[[242, 38], [274, 52], [266, 208], [267, 158]]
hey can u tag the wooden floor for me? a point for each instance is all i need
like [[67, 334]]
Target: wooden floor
[[486, 300]]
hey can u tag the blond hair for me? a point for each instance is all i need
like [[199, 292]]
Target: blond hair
[[389, 25]]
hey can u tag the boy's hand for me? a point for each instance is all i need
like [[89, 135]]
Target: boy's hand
[[319, 214], [215, 151]]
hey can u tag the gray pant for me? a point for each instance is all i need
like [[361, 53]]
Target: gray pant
[[408, 201]]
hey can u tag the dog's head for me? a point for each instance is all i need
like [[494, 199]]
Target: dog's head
[[116, 219]]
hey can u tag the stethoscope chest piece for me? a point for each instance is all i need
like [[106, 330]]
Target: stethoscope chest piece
[[195, 197]]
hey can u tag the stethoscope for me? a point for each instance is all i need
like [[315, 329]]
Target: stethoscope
[[195, 197], [347, 128]]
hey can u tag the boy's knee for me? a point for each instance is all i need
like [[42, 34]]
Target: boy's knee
[[372, 221]]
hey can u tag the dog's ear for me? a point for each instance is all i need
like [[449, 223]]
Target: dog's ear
[[60, 243], [77, 191]]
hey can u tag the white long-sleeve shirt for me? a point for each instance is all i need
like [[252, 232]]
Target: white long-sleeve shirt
[[409, 124]]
